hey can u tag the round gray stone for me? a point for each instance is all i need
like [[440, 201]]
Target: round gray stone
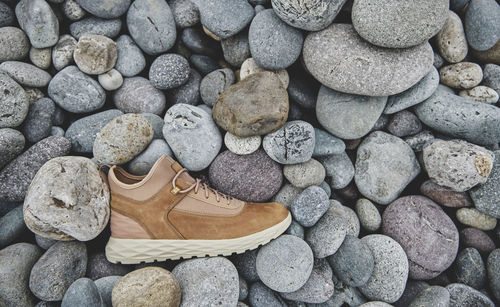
[[305, 174], [38, 123], [368, 215], [341, 60], [349, 215], [340, 168], [11, 226], [38, 20], [104, 9], [138, 95], [310, 205], [98, 267], [15, 103], [75, 91], [26, 74], [82, 292], [433, 296], [62, 52], [130, 61], [274, 45], [481, 24], [326, 236], [463, 295], [189, 92], [470, 268], [72, 10], [14, 44], [94, 25], [285, 264], [326, 144], [213, 84], [185, 13], [142, 164], [295, 229], [11, 145], [404, 123], [236, 49], [169, 71], [287, 194]]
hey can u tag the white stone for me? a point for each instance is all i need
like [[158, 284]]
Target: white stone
[[249, 67], [111, 80], [242, 145], [481, 93]]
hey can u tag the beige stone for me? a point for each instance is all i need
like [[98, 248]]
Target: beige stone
[[451, 40], [95, 54], [480, 93], [249, 67], [463, 75]]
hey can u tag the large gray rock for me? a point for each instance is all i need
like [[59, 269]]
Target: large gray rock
[[385, 165], [68, 199], [16, 262], [75, 91], [130, 61], [151, 25], [16, 177], [138, 95], [416, 23], [39, 22], [82, 292], [486, 197], [38, 123], [14, 44], [192, 135], [11, 145], [26, 74], [481, 24], [343, 61], [104, 9], [348, 116], [15, 103]]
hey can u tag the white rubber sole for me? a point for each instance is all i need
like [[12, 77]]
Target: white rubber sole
[[132, 251]]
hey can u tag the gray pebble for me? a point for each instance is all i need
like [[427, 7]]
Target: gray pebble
[[493, 267], [130, 61], [103, 9], [340, 168], [326, 144], [62, 52], [157, 123], [38, 122], [326, 187], [203, 63], [39, 22], [287, 194], [404, 123], [243, 293], [11, 226], [302, 91], [491, 76], [381, 123], [41, 58], [82, 292], [151, 25], [470, 268], [185, 13], [142, 164], [420, 140], [432, 296], [14, 44], [26, 74], [6, 15], [99, 267], [245, 263], [305, 174], [44, 242], [94, 25], [463, 295], [138, 95], [261, 296], [413, 288], [326, 236], [344, 296], [236, 49], [189, 92], [349, 215], [57, 269], [75, 91], [105, 287], [310, 205], [486, 195], [274, 45], [11, 145], [213, 84], [15, 104], [72, 10], [481, 24], [295, 229], [368, 215], [198, 42], [169, 71]]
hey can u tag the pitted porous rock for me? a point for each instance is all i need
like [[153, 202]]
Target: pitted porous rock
[[95, 54]]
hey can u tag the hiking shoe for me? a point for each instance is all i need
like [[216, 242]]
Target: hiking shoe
[[169, 215]]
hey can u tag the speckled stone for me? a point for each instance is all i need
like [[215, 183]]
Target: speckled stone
[[14, 44], [349, 215], [148, 287], [15, 103], [189, 92], [470, 268], [368, 215], [75, 91], [82, 291], [95, 54], [287, 194], [457, 164], [420, 140], [254, 177], [340, 168], [72, 10], [105, 287], [432, 296], [213, 84], [463, 295], [404, 123], [413, 288], [451, 40], [169, 71], [123, 138], [445, 196], [430, 242], [11, 145], [207, 281], [486, 196], [309, 206], [38, 20], [242, 145], [295, 229], [385, 165], [17, 175], [475, 218], [285, 264], [6, 15], [305, 174], [138, 95], [349, 73], [260, 295], [245, 264], [390, 271], [41, 58], [185, 13], [480, 93], [94, 25], [491, 76], [481, 24], [274, 45], [326, 144], [130, 61], [62, 52], [493, 268], [236, 49], [103, 9], [26, 74], [464, 75], [11, 226], [38, 122]]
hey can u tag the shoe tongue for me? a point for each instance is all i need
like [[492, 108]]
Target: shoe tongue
[[170, 166]]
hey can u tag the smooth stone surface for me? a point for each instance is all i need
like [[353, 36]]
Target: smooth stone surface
[[62, 52], [445, 196], [192, 135], [16, 176], [16, 262], [340, 168], [151, 25], [285, 264], [203, 63], [103, 9], [307, 15], [493, 267], [189, 92], [326, 144], [68, 199], [138, 95], [458, 117], [368, 215], [14, 44], [57, 269], [185, 13], [219, 284], [214, 84], [404, 123], [481, 24], [82, 291], [274, 45], [11, 145], [390, 271], [424, 231], [287, 194], [349, 73], [260, 295], [38, 20], [457, 164], [242, 145], [291, 144], [463, 295], [480, 93], [433, 296], [295, 229], [254, 177], [470, 268], [130, 61], [236, 49], [348, 116], [75, 91], [95, 54], [38, 122], [110, 80], [415, 94], [309, 206], [94, 25], [123, 138], [478, 239], [475, 218], [353, 262], [105, 287], [169, 71], [197, 41], [305, 174], [464, 75], [416, 22], [11, 226], [486, 197], [15, 103], [26, 74], [451, 40], [224, 18], [142, 164], [82, 132], [385, 165], [268, 106], [43, 242]]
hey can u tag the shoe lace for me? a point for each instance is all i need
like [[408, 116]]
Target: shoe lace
[[196, 185]]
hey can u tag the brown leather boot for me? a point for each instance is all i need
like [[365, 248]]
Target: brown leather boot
[[169, 215]]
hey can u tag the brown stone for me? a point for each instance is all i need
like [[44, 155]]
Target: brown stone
[[478, 239], [95, 54], [491, 55], [445, 196], [256, 105]]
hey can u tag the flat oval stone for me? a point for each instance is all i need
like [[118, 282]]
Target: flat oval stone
[[326, 144], [41, 58], [256, 105], [72, 10], [428, 236], [274, 45], [15, 103], [155, 18], [404, 123], [39, 22], [62, 52], [340, 113], [138, 95], [16, 176], [475, 218], [38, 123], [26, 74], [104, 9], [111, 80], [95, 54], [192, 135], [253, 177], [95, 25], [11, 145], [480, 93], [368, 215], [130, 60], [341, 60], [470, 268], [310, 205], [416, 23], [305, 174], [14, 44], [327, 235], [463, 75], [385, 165], [340, 168], [445, 196], [451, 40], [75, 91], [481, 24], [478, 239], [67, 200], [236, 49], [169, 71], [390, 271]]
